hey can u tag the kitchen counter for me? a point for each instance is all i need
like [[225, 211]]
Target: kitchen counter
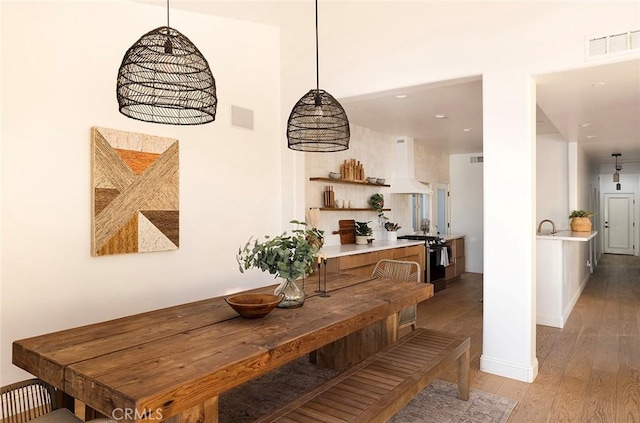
[[562, 271], [451, 237], [569, 236], [333, 251]]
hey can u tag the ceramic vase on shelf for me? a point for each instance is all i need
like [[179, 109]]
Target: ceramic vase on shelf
[[292, 295]]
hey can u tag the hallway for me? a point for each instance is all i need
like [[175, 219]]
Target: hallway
[[589, 371]]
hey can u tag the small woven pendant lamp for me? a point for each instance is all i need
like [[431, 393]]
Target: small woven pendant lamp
[[164, 78], [318, 123]]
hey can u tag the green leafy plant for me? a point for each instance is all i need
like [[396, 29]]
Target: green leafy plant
[[289, 256], [392, 227], [363, 229], [580, 213], [376, 201]]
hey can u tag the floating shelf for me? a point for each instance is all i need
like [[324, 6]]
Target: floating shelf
[[349, 209], [346, 181]]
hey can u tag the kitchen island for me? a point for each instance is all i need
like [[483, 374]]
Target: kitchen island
[[564, 263]]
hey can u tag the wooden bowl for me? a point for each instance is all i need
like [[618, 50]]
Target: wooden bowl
[[253, 306]]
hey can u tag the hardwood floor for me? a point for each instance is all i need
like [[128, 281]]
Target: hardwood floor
[[589, 371]]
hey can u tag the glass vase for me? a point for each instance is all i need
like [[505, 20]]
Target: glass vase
[[292, 295]]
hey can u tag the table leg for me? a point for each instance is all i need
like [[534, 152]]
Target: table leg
[[357, 346], [205, 412]]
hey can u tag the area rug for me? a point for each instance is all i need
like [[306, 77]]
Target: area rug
[[437, 403]]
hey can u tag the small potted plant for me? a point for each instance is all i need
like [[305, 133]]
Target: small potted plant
[[580, 221], [363, 232], [376, 201], [392, 231], [288, 256]]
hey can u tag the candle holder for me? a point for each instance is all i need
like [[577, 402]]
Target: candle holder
[[324, 291], [319, 266]]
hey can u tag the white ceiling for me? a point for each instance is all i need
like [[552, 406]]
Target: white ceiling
[[565, 100], [606, 98]]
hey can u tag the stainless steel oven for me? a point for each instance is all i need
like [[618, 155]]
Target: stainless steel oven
[[435, 264]]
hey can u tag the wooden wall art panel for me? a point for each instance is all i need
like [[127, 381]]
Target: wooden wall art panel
[[135, 192]]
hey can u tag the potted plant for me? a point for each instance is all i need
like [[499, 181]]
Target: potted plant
[[376, 201], [580, 221], [392, 231], [288, 256], [363, 232]]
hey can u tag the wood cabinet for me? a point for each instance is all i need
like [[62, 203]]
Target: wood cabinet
[[363, 264], [456, 259]]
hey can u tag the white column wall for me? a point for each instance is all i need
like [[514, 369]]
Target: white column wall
[[509, 225]]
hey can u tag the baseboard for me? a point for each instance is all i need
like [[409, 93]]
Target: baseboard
[[575, 299], [555, 321], [509, 369]]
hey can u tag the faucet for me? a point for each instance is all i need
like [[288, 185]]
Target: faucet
[[553, 226]]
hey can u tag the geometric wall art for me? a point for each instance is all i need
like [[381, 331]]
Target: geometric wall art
[[135, 192]]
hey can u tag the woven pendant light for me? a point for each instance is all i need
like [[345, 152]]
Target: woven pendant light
[[318, 123], [164, 78]]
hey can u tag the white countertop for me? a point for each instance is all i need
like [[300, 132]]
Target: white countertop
[[568, 236], [450, 237], [350, 249]]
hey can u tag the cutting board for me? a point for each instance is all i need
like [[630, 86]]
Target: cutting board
[[347, 231]]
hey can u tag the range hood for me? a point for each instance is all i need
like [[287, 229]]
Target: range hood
[[406, 182]]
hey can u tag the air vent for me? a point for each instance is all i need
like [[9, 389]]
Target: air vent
[[241, 117], [612, 45], [476, 159]]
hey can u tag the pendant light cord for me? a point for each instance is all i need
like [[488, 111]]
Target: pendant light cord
[[168, 14], [317, 56]]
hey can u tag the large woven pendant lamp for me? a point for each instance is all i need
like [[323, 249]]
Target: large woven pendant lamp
[[318, 123], [164, 78]]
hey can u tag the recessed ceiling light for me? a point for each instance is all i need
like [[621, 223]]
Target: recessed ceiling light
[[597, 84], [401, 96], [440, 116], [467, 129], [585, 125], [591, 136]]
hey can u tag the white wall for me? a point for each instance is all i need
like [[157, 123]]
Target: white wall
[[59, 67], [552, 174], [467, 207]]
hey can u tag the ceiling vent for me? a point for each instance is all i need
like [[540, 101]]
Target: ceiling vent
[[612, 45], [476, 159]]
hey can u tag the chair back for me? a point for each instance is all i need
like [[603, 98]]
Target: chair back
[[397, 269], [26, 400]]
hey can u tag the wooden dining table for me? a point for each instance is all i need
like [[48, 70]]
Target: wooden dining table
[[175, 362]]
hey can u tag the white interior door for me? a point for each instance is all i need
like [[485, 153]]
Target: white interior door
[[618, 223]]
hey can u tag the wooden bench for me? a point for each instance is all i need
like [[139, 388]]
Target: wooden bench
[[376, 389]]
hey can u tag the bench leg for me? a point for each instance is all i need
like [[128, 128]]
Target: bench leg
[[463, 376]]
